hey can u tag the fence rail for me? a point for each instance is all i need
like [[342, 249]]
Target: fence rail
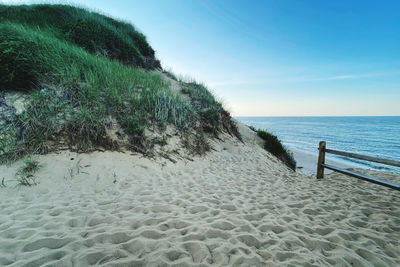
[[321, 165], [362, 157]]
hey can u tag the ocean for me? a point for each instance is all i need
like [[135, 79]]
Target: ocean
[[372, 136]]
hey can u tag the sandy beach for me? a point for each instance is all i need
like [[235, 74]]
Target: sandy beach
[[153, 133], [237, 206]]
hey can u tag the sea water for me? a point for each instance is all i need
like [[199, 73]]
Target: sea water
[[371, 136]]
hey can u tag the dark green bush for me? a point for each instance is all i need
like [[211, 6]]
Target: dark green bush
[[133, 125], [211, 118], [275, 147], [101, 40], [18, 70]]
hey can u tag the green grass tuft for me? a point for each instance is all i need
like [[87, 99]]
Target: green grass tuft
[[26, 174], [274, 145]]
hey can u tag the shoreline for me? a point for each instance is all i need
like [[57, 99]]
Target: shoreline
[[307, 162]]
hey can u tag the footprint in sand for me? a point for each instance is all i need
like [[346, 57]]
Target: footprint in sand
[[212, 233], [51, 243], [283, 256], [198, 209], [192, 237], [174, 255], [250, 241], [223, 225], [114, 238], [45, 259], [151, 234], [272, 228], [198, 251], [229, 207], [134, 247]]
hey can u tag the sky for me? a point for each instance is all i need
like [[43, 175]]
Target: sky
[[277, 57]]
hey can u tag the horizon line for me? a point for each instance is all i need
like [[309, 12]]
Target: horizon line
[[260, 116]]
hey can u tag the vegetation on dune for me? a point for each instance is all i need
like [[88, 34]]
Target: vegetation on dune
[[212, 115], [76, 93], [94, 32], [276, 148]]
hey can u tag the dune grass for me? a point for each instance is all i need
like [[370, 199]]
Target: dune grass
[[276, 148], [213, 117], [83, 70], [94, 32], [74, 92], [204, 103]]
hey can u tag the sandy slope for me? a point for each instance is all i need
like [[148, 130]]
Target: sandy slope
[[237, 206]]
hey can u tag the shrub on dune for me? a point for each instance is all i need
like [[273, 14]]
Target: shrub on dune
[[275, 146]]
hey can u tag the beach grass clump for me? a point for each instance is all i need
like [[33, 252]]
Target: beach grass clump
[[26, 174], [212, 115], [205, 104], [196, 143], [7, 140], [276, 148], [94, 32]]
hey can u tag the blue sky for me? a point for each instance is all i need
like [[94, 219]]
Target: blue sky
[[277, 58]]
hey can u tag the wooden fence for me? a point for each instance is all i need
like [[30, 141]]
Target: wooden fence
[[321, 165]]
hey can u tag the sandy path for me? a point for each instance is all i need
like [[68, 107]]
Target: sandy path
[[237, 206]]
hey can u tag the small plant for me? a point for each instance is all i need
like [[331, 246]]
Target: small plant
[[26, 173], [161, 141], [274, 145], [77, 169], [196, 143], [7, 142], [71, 173]]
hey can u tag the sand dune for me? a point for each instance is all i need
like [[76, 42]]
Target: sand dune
[[238, 206]]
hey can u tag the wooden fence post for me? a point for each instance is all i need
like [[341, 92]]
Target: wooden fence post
[[321, 160]]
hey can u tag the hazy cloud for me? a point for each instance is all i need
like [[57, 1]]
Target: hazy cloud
[[310, 78]]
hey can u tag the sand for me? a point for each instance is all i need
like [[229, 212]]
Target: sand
[[237, 206]]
